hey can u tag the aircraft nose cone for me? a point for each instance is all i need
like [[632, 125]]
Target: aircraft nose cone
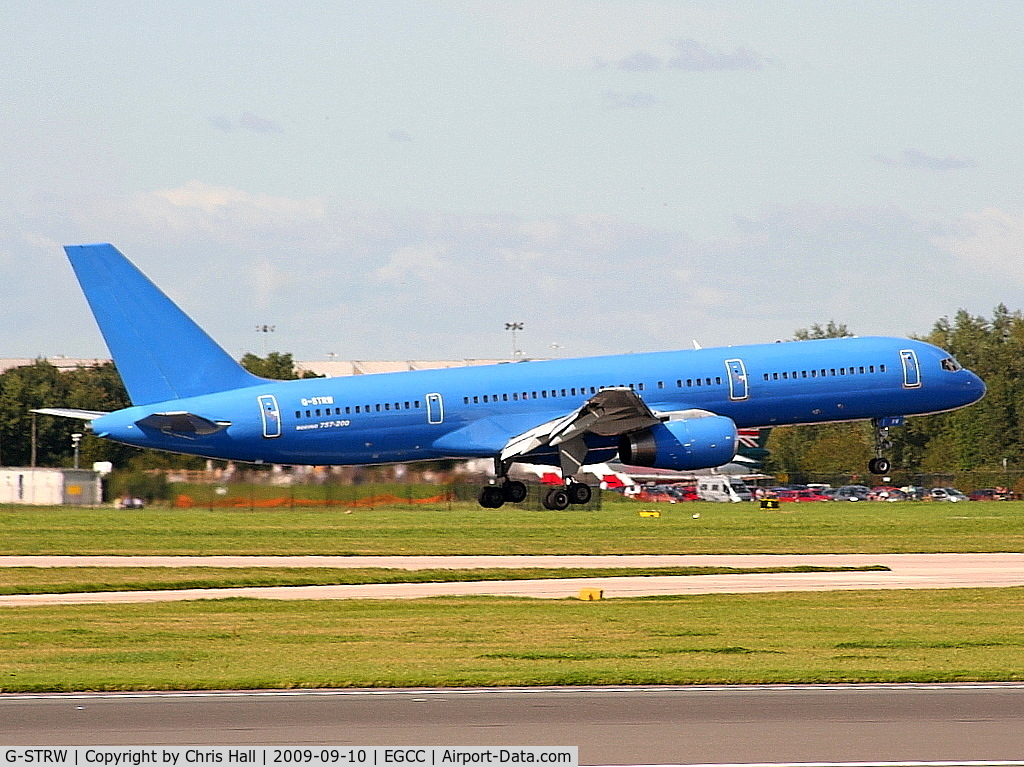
[[974, 387]]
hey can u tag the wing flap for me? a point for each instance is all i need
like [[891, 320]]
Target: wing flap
[[608, 413]]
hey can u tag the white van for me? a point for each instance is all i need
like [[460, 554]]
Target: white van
[[722, 489]]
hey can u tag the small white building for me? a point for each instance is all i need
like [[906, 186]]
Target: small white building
[[50, 487]]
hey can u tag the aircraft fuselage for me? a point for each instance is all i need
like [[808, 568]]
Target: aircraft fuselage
[[474, 411]]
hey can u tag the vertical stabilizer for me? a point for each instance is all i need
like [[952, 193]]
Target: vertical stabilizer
[[159, 351]]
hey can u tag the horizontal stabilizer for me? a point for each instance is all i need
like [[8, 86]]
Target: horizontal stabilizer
[[70, 412], [182, 424]]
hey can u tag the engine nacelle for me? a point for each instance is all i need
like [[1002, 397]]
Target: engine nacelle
[[683, 445]]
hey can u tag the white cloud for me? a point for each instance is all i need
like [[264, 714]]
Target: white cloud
[[377, 283], [413, 265], [567, 33], [691, 56], [270, 282], [634, 100], [211, 199], [990, 241], [916, 159], [247, 121]]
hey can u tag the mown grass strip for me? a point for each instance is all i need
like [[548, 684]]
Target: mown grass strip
[[909, 636], [470, 530], [67, 580]]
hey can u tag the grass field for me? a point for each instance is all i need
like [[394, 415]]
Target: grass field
[[466, 528], [69, 580], [917, 636], [866, 636]]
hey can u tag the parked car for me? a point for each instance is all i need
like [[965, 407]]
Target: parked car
[[722, 489], [950, 494], [887, 493], [852, 493], [991, 494], [800, 496]]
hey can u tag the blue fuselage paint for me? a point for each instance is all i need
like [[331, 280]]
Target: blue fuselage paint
[[473, 411]]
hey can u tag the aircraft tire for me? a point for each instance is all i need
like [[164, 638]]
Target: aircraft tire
[[514, 491], [579, 493], [879, 465], [491, 497], [556, 499]]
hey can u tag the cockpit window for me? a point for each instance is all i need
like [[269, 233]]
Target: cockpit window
[[951, 365]]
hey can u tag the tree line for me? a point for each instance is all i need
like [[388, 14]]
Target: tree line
[[987, 436], [984, 439], [28, 439]]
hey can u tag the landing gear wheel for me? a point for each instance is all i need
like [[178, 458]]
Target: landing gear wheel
[[556, 499], [492, 497], [879, 465], [514, 491], [579, 493]]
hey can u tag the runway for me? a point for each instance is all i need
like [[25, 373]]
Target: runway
[[905, 571], [979, 724]]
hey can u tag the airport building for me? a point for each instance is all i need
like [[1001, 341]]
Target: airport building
[[50, 487]]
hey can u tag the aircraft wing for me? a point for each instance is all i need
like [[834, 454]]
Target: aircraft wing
[[70, 412], [608, 413]]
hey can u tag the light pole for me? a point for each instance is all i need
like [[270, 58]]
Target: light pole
[[75, 439], [265, 330], [514, 327]]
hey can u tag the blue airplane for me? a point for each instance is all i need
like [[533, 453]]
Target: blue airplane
[[672, 410]]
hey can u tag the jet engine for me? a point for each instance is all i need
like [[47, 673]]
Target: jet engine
[[683, 444]]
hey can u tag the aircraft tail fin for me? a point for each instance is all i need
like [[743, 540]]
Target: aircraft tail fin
[[159, 351]]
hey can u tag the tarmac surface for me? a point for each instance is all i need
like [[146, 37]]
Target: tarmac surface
[[906, 725], [905, 571]]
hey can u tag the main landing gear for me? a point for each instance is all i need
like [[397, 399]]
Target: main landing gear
[[879, 464], [495, 496], [507, 490], [560, 498]]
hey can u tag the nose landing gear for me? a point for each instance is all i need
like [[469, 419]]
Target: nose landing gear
[[880, 464]]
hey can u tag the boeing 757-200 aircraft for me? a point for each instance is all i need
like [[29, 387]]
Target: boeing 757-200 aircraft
[[672, 410]]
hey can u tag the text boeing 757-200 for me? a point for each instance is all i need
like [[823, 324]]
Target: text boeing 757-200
[[671, 410]]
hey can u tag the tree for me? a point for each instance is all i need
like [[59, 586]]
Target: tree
[[21, 389], [815, 331], [276, 365], [826, 449], [992, 430]]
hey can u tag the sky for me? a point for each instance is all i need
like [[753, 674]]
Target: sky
[[399, 180]]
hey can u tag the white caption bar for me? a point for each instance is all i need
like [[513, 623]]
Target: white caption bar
[[290, 756]]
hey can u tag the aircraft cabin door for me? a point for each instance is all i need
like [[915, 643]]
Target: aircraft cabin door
[[911, 371], [435, 408], [738, 388], [271, 415]]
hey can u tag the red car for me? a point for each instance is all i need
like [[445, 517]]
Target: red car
[[800, 496]]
